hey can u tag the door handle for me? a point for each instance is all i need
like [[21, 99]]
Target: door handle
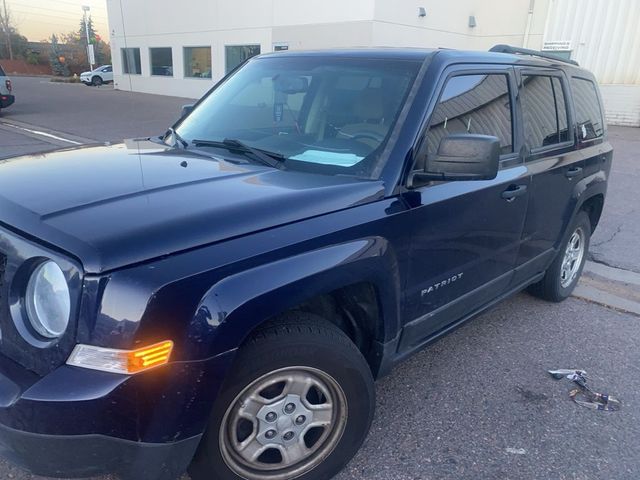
[[572, 172], [514, 191]]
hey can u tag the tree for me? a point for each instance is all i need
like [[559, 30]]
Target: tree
[[76, 46], [6, 25], [58, 65]]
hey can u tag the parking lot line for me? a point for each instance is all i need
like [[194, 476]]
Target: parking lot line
[[41, 133]]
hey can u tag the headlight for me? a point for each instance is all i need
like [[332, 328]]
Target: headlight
[[48, 301]]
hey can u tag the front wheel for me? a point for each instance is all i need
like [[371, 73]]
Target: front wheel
[[564, 273], [96, 81], [298, 404]]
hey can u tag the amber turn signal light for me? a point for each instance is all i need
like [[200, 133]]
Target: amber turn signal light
[[126, 362], [149, 357]]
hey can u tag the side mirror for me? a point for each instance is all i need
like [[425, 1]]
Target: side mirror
[[463, 156], [186, 110]]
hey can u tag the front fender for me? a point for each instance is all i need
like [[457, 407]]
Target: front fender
[[237, 304]]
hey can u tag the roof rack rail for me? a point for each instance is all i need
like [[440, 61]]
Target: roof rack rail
[[526, 51]]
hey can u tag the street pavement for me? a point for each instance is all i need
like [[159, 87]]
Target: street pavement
[[477, 404], [617, 240], [93, 113]]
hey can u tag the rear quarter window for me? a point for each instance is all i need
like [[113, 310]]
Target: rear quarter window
[[1, 72], [589, 118]]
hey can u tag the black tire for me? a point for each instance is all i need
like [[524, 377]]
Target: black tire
[[96, 81], [550, 288], [296, 340]]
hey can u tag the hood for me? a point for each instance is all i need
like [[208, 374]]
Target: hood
[[113, 206]]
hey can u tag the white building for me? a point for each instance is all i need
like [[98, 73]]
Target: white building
[[181, 49]]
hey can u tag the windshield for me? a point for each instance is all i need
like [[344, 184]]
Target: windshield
[[321, 114]]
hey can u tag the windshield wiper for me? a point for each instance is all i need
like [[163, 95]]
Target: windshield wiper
[[176, 136], [271, 159]]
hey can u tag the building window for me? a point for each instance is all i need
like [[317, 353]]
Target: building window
[[473, 104], [197, 62], [131, 61], [161, 61], [237, 54], [588, 111], [544, 111]]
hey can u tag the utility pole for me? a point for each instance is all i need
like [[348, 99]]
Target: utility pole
[[85, 9], [5, 23]]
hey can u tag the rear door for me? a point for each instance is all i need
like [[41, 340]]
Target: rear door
[[466, 234], [552, 160]]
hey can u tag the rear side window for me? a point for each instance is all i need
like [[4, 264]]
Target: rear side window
[[1, 72], [544, 111], [588, 112], [473, 104]]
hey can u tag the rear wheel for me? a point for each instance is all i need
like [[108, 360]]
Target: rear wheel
[[298, 404], [564, 273], [96, 81]]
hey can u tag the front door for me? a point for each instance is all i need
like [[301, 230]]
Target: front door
[[466, 233]]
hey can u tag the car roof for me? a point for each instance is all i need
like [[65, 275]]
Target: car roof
[[364, 52], [479, 56], [421, 54]]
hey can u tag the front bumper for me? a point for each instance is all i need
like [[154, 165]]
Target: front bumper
[[71, 456], [6, 100], [76, 422]]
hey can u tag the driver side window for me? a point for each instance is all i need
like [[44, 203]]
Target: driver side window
[[473, 104]]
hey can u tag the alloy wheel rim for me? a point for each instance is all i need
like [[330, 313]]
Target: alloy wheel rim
[[284, 424], [572, 259]]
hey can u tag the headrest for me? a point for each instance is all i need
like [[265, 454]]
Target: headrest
[[369, 105]]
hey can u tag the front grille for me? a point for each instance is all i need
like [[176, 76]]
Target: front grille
[[39, 355]]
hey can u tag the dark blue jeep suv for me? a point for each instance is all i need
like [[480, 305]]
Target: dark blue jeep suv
[[221, 298]]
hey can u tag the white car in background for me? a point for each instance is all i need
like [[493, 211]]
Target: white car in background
[[98, 76]]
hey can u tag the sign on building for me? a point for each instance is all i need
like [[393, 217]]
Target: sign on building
[[556, 45]]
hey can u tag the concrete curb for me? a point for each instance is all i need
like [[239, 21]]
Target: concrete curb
[[614, 274], [611, 287], [592, 294]]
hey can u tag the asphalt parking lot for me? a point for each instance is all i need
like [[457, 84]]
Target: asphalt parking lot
[[477, 404]]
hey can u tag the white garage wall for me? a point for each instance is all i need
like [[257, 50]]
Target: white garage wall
[[621, 104], [446, 23], [604, 34], [605, 38]]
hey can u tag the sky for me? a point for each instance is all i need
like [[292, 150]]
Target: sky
[[38, 19]]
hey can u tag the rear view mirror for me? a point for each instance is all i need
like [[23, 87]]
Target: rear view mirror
[[186, 110], [290, 85], [463, 156]]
